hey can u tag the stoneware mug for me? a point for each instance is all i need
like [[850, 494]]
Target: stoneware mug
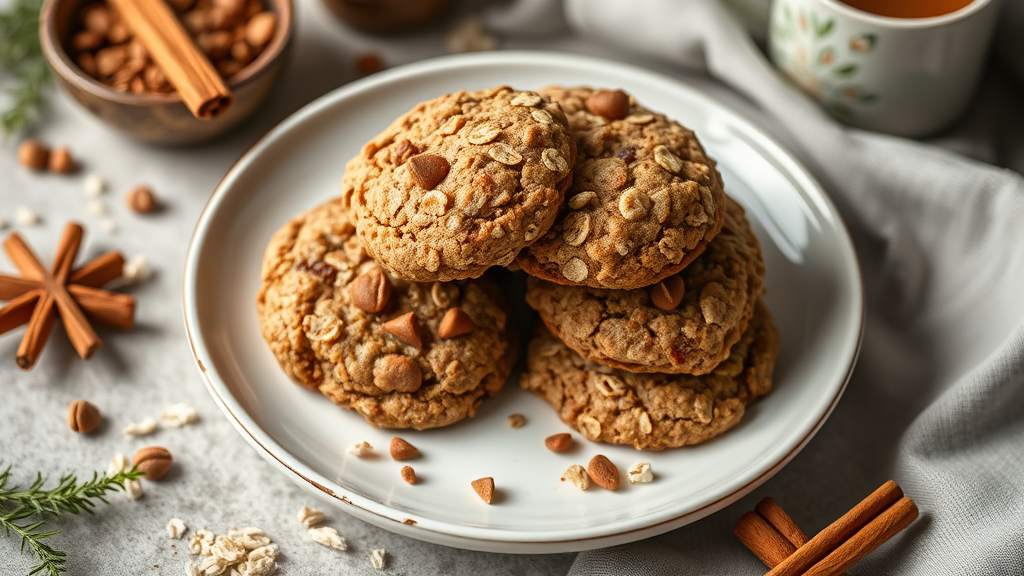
[[905, 76]]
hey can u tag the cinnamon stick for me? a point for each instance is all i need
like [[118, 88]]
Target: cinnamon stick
[[770, 510], [11, 286], [18, 311], [106, 268], [839, 531], [153, 23], [110, 308], [874, 534], [39, 327], [763, 539]]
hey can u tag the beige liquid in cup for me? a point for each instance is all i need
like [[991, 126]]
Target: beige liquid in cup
[[908, 8]]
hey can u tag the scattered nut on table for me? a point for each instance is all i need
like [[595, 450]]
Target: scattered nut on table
[[153, 461], [83, 416]]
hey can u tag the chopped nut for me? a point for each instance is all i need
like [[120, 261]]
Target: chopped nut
[[310, 517], [640, 473], [640, 118], [559, 442], [505, 154], [362, 450], [633, 204], [200, 543], [147, 426], [578, 476], [133, 489], [428, 170], [108, 226], [83, 416], [554, 161], [176, 529], [590, 427], [329, 537], [516, 420], [249, 538], [531, 232], [668, 293], [93, 184], [61, 161], [408, 474], [612, 104], [118, 463], [603, 472], [260, 28], [397, 373], [371, 291], [402, 450], [368, 63], [153, 461], [645, 422], [33, 155], [140, 200], [434, 202], [484, 133], [455, 323], [405, 329], [666, 159], [25, 216], [575, 270], [178, 415], [377, 558], [484, 488], [227, 549], [526, 99], [582, 199]]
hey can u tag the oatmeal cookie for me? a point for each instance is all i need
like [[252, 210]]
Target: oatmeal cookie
[[403, 354], [685, 324], [653, 411], [645, 198], [461, 183]]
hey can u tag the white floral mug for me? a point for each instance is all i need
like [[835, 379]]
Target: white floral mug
[[904, 76]]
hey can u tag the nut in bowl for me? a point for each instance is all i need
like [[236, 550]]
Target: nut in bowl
[[78, 36]]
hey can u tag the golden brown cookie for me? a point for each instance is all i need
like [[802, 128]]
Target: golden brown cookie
[[685, 324], [653, 411], [403, 354], [461, 183], [645, 198]]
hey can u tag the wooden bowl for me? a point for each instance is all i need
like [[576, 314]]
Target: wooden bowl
[[386, 16], [160, 118]]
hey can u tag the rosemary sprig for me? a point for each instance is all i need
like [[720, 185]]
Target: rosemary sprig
[[22, 57], [69, 496]]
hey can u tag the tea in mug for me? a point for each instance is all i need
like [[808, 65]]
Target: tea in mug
[[908, 8]]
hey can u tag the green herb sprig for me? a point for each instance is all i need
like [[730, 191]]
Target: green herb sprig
[[34, 503], [21, 56]]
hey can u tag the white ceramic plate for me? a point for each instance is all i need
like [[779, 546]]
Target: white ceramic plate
[[814, 291]]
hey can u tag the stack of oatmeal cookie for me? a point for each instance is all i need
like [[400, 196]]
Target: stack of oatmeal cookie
[[648, 284], [646, 275], [376, 298]]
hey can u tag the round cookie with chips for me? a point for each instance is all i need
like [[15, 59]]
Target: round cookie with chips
[[461, 183], [645, 198], [653, 411], [684, 324], [402, 354]]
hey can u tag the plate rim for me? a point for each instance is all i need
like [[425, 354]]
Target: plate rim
[[470, 537]]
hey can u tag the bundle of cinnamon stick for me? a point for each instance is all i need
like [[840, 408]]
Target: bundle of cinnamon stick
[[778, 542]]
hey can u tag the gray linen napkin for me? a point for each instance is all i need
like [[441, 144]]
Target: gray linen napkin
[[937, 400]]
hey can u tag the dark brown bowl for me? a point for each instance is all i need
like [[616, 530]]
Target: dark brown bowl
[[386, 16], [160, 118]]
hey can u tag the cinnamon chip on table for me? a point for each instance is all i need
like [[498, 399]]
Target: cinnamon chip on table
[[39, 294]]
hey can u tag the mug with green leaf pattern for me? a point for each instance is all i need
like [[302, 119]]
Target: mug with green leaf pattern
[[904, 76]]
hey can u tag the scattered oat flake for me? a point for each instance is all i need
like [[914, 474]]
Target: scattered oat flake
[[118, 463], [578, 476], [93, 184], [469, 35], [377, 558], [178, 415], [310, 517], [327, 536], [136, 269], [176, 528], [25, 216], [96, 207], [362, 450], [200, 543], [640, 473], [516, 420], [147, 426], [192, 570]]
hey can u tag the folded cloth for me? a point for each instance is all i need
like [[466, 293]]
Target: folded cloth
[[937, 400]]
